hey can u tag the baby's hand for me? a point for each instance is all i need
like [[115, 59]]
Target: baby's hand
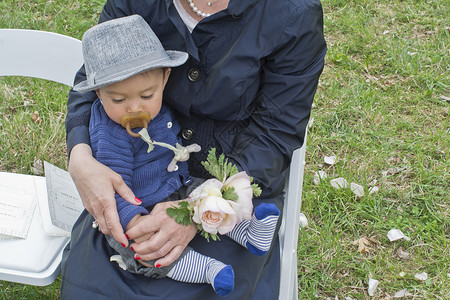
[[136, 220]]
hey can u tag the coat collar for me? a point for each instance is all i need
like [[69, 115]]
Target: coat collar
[[236, 9]]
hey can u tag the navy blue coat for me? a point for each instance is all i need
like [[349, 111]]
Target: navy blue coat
[[247, 89]]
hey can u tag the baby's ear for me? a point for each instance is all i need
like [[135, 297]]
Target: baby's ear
[[98, 94], [166, 74]]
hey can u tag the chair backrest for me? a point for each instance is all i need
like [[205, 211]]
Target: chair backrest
[[36, 259], [39, 54], [288, 233]]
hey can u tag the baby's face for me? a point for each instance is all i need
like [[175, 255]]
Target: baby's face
[[142, 92]]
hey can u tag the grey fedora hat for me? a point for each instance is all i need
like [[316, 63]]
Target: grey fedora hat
[[121, 48]]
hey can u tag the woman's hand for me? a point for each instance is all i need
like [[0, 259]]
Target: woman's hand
[[168, 240], [133, 222], [97, 185]]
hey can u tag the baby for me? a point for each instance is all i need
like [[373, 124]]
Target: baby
[[128, 68]]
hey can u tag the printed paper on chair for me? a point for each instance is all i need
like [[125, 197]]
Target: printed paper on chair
[[17, 204], [64, 202]]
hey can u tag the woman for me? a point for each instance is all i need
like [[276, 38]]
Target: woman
[[246, 89]]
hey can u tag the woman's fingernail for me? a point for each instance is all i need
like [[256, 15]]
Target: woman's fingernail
[[157, 265], [124, 245], [128, 238], [132, 249], [137, 257], [138, 200]]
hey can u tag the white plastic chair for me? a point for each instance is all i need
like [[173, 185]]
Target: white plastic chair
[[288, 233], [36, 260]]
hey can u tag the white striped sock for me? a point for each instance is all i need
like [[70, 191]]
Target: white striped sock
[[239, 233], [191, 268], [259, 233], [197, 268]]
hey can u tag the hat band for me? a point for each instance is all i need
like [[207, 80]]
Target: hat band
[[133, 66]]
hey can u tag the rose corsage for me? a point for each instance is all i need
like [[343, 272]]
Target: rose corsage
[[220, 203]]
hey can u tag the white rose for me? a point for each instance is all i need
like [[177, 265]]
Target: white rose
[[209, 187], [242, 187], [215, 214]]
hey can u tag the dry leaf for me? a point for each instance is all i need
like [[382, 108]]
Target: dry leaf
[[362, 244], [38, 167], [396, 234], [35, 117], [339, 183], [373, 283]]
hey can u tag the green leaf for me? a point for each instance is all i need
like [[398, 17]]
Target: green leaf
[[181, 213], [219, 168], [229, 194], [207, 235], [256, 189]]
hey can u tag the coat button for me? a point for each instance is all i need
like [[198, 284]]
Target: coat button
[[187, 133], [194, 74]]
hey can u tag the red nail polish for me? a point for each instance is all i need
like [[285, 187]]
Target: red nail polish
[[138, 200], [124, 245], [128, 238], [157, 265], [132, 249], [137, 257]]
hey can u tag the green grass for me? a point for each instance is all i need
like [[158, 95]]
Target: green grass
[[378, 108]]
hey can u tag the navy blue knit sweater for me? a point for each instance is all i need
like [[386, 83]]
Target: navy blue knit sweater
[[145, 173]]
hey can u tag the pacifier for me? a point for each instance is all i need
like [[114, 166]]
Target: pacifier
[[134, 120]]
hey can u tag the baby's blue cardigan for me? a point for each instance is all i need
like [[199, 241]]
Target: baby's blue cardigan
[[145, 173]]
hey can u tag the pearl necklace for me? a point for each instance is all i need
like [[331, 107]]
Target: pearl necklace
[[198, 11]]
